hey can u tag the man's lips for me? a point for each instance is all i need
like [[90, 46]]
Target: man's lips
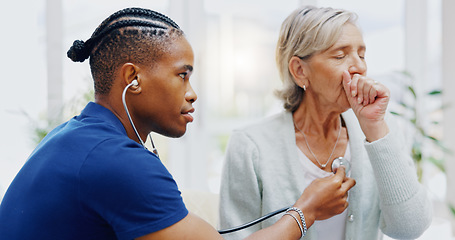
[[187, 115]]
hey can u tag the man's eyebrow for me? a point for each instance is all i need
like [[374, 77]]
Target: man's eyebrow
[[188, 67]]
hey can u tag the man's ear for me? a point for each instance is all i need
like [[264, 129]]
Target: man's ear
[[297, 68], [130, 72]]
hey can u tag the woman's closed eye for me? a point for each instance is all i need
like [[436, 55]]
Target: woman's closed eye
[[339, 56]]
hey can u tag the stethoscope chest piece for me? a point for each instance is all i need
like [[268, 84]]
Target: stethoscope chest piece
[[341, 161]]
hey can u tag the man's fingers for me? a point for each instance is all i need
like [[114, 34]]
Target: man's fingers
[[348, 184], [340, 173]]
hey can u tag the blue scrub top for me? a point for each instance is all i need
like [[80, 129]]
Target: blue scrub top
[[88, 180]]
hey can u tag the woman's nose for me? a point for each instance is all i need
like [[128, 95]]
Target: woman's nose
[[358, 65]]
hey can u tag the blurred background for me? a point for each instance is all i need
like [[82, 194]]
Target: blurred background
[[410, 50]]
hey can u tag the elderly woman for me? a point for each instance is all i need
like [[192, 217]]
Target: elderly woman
[[333, 109]]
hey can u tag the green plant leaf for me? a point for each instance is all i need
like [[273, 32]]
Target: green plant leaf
[[422, 138], [411, 89], [443, 148], [431, 138], [452, 209], [435, 92], [40, 133], [416, 153], [406, 106], [439, 163], [406, 73]]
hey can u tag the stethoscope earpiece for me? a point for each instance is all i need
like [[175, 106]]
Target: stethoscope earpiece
[[135, 83]]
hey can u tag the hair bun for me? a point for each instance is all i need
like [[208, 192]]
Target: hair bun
[[78, 52]]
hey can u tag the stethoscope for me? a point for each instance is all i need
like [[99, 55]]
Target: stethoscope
[[337, 162], [135, 83]]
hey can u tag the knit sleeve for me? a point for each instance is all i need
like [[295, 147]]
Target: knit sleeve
[[406, 210], [240, 188]]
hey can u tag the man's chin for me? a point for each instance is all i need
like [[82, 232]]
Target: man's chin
[[176, 134]]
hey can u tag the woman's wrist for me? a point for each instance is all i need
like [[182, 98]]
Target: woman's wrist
[[375, 130]]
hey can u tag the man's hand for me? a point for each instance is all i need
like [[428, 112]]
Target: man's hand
[[325, 197]]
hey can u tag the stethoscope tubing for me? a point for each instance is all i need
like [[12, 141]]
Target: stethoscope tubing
[[249, 224], [337, 162]]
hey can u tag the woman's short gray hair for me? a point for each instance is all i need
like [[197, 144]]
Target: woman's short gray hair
[[304, 32]]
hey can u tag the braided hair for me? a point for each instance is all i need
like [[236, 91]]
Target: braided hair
[[134, 35]]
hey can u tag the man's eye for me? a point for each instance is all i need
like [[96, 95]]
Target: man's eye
[[182, 75], [339, 57]]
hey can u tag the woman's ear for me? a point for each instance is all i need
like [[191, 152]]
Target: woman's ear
[[297, 68], [130, 72]]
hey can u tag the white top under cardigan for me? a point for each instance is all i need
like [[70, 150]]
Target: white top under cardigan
[[260, 176], [334, 227]]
